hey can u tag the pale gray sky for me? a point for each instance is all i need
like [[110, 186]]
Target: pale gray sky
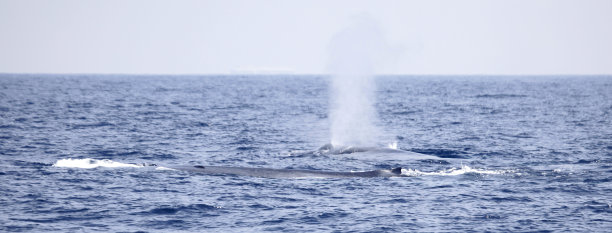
[[204, 37]]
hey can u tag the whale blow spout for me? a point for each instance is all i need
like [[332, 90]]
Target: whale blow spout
[[354, 55]]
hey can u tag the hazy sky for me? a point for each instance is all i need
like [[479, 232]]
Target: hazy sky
[[203, 37]]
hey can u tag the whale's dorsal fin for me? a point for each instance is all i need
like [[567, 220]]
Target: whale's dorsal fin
[[397, 170], [199, 166]]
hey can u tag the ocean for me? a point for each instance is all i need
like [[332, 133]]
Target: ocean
[[501, 154]]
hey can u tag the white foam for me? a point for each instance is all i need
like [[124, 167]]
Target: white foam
[[453, 172], [164, 168], [91, 163]]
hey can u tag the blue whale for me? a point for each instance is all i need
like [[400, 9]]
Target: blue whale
[[287, 173], [368, 153]]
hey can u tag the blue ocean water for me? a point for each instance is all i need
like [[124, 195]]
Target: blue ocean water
[[513, 153]]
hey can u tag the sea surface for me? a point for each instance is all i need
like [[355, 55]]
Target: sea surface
[[511, 154]]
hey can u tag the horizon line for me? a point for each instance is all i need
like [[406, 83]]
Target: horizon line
[[287, 74]]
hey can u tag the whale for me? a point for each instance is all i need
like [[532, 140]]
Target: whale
[[287, 173], [330, 149], [353, 152], [368, 153]]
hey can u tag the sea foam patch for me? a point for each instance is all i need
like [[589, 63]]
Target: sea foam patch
[[453, 172], [91, 163]]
